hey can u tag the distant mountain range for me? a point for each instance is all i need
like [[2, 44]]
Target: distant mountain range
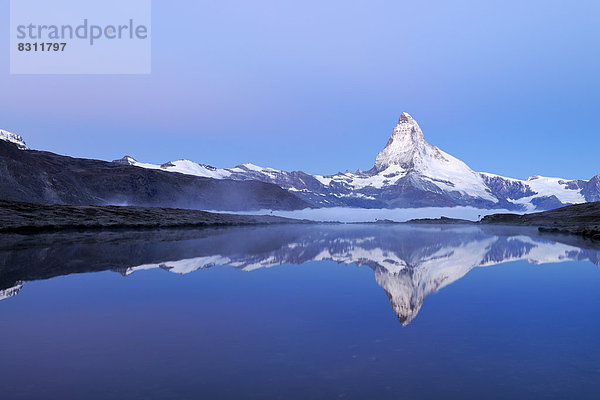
[[408, 172]]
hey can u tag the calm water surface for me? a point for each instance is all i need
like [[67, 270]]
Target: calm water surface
[[333, 311]]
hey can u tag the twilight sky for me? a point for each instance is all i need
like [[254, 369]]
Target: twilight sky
[[511, 87]]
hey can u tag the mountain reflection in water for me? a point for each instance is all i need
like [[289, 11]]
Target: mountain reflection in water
[[409, 262]]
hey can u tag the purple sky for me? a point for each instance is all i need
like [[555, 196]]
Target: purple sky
[[509, 88]]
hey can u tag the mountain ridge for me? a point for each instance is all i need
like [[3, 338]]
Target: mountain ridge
[[48, 178], [408, 172]]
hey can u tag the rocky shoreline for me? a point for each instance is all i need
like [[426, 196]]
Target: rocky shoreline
[[20, 217], [578, 219]]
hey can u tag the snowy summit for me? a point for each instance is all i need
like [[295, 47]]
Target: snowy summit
[[13, 138]]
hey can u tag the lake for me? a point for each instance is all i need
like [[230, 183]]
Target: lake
[[377, 311]]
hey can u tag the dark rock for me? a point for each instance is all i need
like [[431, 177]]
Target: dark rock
[[440, 220], [507, 188], [591, 191], [578, 219], [547, 202], [34, 218]]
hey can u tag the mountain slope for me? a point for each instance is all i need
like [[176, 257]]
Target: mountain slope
[[43, 177], [408, 172], [407, 153]]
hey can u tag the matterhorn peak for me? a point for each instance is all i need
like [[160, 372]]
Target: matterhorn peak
[[405, 146], [405, 118], [13, 138]]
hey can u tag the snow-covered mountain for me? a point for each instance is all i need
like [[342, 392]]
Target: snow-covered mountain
[[408, 172], [13, 138]]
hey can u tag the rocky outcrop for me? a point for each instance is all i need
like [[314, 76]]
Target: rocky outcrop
[[33, 218], [579, 219], [591, 190]]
